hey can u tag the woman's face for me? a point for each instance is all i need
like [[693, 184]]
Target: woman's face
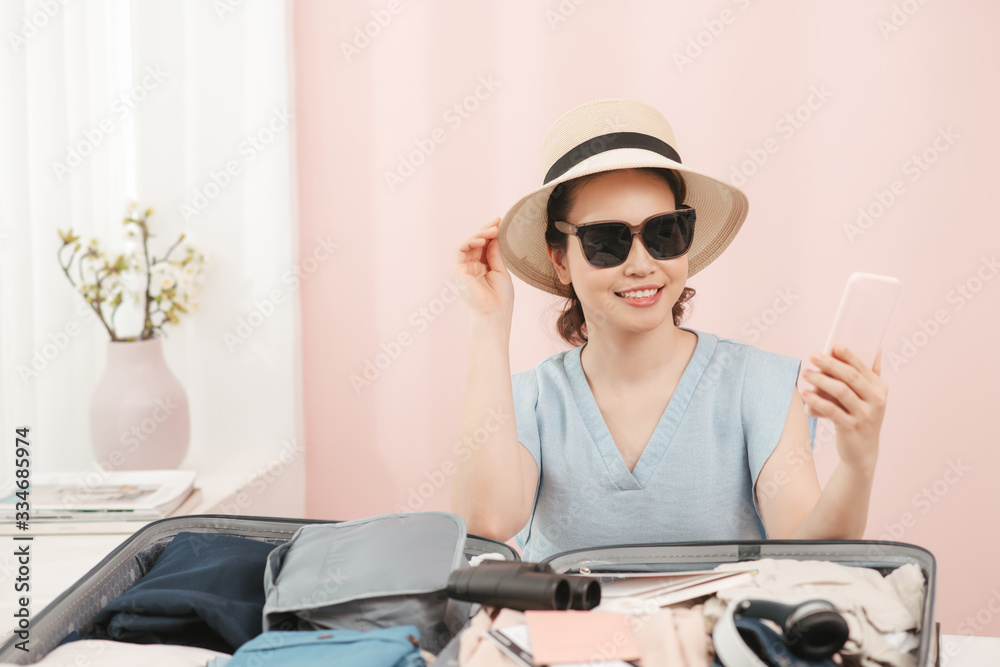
[[630, 196]]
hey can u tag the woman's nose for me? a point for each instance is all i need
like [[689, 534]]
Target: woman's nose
[[639, 260]]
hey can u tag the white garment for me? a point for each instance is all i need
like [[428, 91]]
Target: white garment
[[476, 560], [98, 652], [876, 608]]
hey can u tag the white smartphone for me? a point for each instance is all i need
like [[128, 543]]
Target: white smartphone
[[862, 317]]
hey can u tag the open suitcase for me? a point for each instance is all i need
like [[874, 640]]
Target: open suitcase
[[881, 556], [73, 610]]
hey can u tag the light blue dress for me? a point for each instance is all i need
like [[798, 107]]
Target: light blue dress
[[695, 478]]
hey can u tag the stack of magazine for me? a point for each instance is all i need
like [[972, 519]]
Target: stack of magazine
[[92, 501]]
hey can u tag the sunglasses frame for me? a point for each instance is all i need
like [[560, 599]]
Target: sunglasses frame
[[636, 230]]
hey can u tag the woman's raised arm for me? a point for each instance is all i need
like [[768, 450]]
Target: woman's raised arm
[[495, 478], [854, 398]]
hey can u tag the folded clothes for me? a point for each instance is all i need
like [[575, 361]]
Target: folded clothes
[[106, 653], [672, 638], [876, 608], [476, 650], [566, 636], [386, 647], [666, 638], [205, 590]]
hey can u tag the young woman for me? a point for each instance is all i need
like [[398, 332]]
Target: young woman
[[645, 431]]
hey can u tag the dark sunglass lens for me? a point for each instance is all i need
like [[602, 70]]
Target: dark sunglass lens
[[669, 235], [605, 245]]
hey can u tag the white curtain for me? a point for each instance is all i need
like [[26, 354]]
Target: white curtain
[[185, 108]]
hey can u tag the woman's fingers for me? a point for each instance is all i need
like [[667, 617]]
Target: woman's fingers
[[468, 244], [845, 389], [823, 405], [494, 256], [469, 251], [848, 369], [854, 361], [829, 388], [482, 249], [478, 240]]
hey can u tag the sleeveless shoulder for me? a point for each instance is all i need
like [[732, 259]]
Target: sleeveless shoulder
[[525, 391], [530, 401], [769, 381]]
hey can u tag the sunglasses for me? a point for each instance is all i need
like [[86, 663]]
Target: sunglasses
[[607, 243]]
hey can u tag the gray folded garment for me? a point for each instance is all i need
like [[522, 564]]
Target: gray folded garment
[[375, 572]]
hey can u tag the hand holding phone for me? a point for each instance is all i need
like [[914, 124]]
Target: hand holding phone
[[862, 318]]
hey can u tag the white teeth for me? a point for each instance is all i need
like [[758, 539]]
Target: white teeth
[[638, 295]]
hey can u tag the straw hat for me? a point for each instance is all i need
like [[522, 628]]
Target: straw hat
[[605, 135]]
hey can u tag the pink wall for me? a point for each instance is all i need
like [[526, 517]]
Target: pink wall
[[884, 99]]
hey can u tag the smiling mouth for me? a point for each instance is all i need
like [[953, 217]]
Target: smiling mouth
[[640, 294]]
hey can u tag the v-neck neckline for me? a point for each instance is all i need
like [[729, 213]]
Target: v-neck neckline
[[665, 428]]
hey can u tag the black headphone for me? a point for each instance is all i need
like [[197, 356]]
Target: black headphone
[[812, 629]]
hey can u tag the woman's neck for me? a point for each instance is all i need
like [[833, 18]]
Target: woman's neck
[[623, 359]]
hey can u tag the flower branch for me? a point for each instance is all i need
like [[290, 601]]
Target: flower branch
[[169, 288]]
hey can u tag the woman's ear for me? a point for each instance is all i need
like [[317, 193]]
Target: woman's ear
[[558, 258]]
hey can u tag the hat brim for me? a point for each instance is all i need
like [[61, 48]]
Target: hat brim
[[721, 210]]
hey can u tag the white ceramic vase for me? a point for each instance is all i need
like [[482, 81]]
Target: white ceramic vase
[[139, 418]]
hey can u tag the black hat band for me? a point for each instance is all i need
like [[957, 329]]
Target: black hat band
[[608, 142]]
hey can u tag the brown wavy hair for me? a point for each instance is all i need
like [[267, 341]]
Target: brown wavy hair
[[571, 324]]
